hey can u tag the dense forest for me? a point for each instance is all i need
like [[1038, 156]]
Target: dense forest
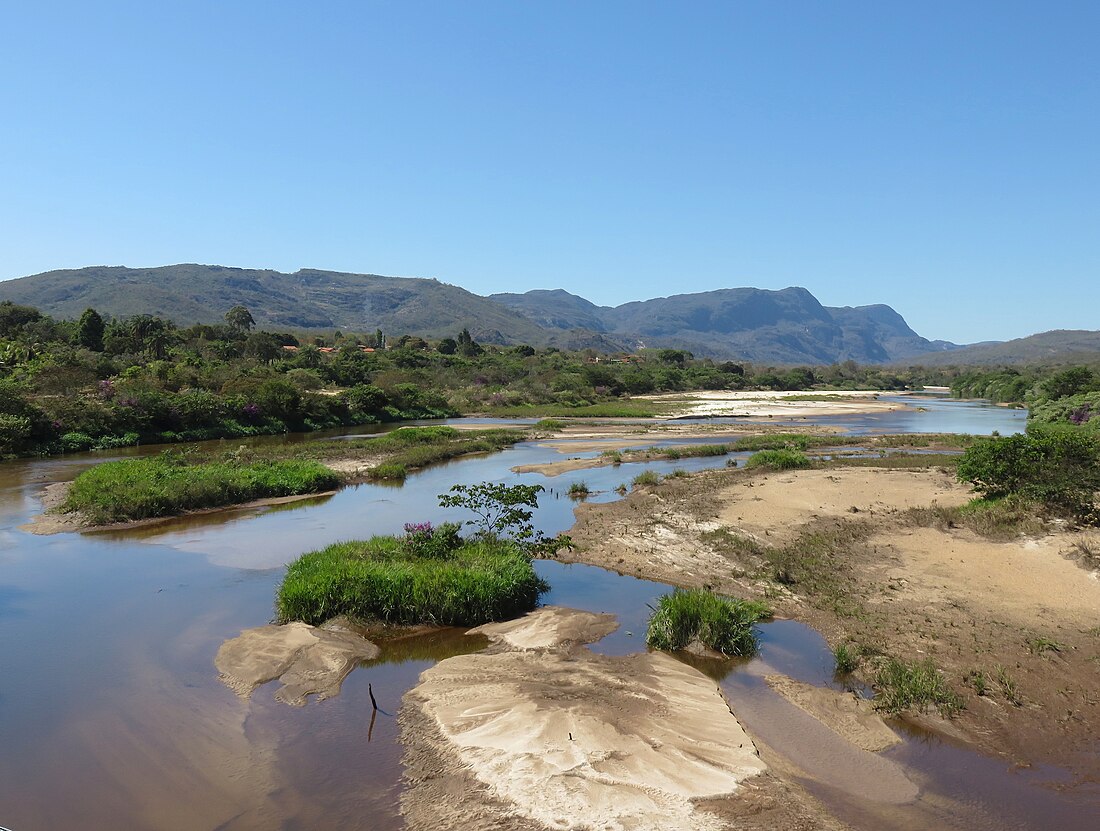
[[92, 383]]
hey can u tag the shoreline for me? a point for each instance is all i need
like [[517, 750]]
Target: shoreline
[[917, 591]]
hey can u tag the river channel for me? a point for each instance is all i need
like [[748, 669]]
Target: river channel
[[112, 715]]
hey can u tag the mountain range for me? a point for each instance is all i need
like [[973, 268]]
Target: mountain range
[[788, 326]]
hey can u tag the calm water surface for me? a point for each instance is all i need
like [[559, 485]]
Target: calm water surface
[[112, 715]]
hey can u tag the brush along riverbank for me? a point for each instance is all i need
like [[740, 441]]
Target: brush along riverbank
[[121, 493], [937, 603]]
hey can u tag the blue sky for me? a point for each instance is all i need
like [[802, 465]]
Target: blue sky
[[941, 157]]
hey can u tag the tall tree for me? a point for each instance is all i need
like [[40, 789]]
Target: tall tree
[[240, 319], [89, 332]]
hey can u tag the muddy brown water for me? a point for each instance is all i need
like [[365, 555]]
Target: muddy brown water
[[112, 715]]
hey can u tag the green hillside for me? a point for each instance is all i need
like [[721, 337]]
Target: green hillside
[[307, 299]]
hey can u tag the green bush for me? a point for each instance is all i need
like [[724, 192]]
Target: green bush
[[719, 623], [778, 460], [382, 579], [166, 485], [646, 477], [1057, 467]]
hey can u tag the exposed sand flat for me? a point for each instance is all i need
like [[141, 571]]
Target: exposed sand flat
[[777, 404], [307, 660], [564, 738], [846, 715], [773, 508], [1029, 582], [557, 468]]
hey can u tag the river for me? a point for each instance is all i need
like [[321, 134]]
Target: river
[[112, 715]]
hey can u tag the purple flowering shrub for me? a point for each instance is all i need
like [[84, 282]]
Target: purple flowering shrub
[[423, 540]]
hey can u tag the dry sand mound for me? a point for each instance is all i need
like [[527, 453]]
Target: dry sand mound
[[565, 738], [549, 627], [306, 659]]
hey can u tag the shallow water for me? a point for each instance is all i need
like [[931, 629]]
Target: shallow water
[[112, 714]]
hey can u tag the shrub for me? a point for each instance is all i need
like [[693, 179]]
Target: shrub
[[719, 623], [381, 579], [579, 490], [646, 477], [1060, 468], [778, 460], [422, 540], [500, 509]]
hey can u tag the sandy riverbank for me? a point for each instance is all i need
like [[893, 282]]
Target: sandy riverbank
[[1024, 614], [773, 404]]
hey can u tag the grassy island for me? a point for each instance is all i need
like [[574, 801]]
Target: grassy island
[[167, 485], [430, 575], [719, 623]]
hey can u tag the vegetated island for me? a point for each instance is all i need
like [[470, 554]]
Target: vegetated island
[[173, 483]]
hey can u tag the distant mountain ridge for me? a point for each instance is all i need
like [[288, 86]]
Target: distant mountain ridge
[[1056, 347], [787, 326]]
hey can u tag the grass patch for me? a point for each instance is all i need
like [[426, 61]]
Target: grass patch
[[389, 472], [896, 461], [900, 686], [977, 679], [1000, 520], [792, 441], [1040, 646], [646, 477], [813, 565], [166, 485], [387, 579], [1009, 689], [847, 657], [688, 451], [719, 623], [550, 425], [579, 490], [730, 543], [778, 460], [413, 447]]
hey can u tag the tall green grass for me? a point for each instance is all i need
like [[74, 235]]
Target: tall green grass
[[383, 579], [900, 686], [166, 485], [778, 460], [720, 623]]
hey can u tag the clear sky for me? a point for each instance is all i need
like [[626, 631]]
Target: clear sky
[[941, 157]]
